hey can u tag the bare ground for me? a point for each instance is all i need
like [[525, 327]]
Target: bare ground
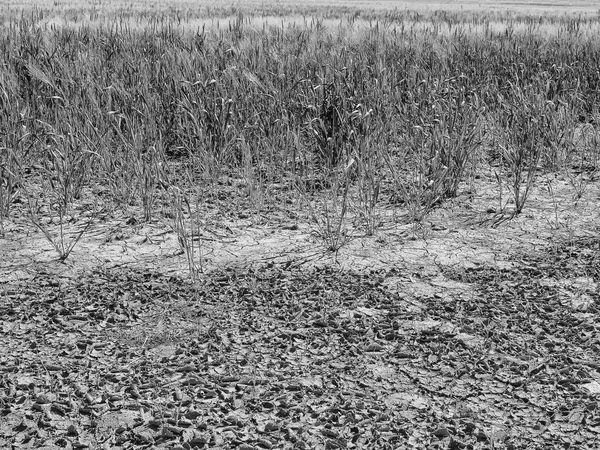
[[464, 331]]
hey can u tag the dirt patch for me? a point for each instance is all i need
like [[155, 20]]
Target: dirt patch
[[462, 332]]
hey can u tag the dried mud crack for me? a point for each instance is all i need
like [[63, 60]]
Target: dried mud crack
[[288, 358]]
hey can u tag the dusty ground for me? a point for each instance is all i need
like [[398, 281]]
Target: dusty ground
[[465, 331]]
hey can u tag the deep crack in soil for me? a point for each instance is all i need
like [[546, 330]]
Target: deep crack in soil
[[283, 357]]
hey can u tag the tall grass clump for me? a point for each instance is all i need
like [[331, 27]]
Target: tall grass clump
[[395, 101]]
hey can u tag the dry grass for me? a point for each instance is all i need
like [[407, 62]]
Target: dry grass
[[369, 104]]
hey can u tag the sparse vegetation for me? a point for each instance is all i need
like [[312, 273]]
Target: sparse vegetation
[[403, 96]]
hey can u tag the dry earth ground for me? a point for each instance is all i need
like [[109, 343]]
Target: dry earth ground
[[465, 331]]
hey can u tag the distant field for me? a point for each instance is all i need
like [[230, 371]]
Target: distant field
[[548, 7]]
